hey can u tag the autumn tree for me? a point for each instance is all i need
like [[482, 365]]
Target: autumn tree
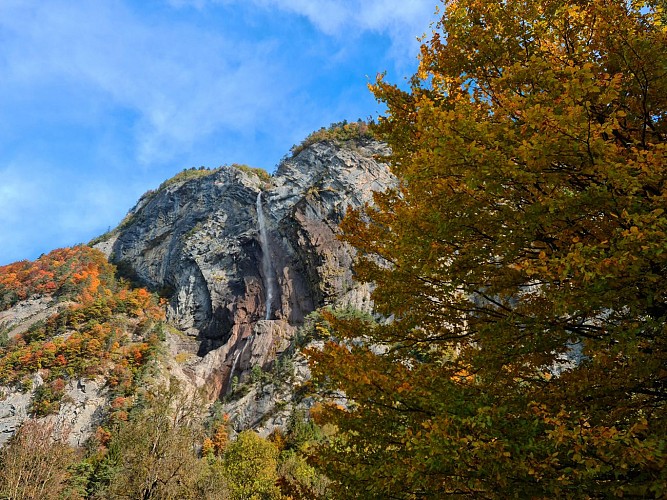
[[155, 452], [34, 464], [522, 261], [216, 444], [250, 468]]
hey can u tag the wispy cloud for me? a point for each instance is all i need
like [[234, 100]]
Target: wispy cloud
[[183, 83], [402, 20], [15, 191], [342, 17], [28, 207], [103, 99]]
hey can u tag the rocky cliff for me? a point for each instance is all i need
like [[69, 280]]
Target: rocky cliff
[[236, 294], [197, 241]]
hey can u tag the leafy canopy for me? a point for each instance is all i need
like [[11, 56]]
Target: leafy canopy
[[522, 261]]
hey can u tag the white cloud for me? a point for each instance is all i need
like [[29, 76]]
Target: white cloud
[[183, 83], [15, 191], [62, 210], [340, 17], [105, 89], [402, 20]]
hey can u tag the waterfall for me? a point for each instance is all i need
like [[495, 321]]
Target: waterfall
[[236, 359], [270, 290]]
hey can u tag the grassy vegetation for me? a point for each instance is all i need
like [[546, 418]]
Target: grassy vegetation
[[259, 172], [187, 175], [338, 132]]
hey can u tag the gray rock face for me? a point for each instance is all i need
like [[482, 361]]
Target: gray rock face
[[14, 408], [86, 402], [198, 242], [24, 314]]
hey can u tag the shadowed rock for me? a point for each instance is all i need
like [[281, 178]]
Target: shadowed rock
[[198, 242]]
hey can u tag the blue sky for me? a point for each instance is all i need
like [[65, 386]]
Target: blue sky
[[101, 100]]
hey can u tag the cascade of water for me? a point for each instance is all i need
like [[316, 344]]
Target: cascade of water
[[267, 267], [236, 360]]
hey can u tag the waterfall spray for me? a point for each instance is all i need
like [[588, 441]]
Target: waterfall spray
[[267, 267]]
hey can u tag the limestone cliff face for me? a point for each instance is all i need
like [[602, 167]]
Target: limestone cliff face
[[198, 242]]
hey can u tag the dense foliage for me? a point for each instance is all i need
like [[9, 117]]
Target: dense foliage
[[103, 327], [156, 440], [522, 262], [35, 463], [520, 265], [65, 272], [165, 448]]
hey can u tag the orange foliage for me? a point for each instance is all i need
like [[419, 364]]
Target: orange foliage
[[220, 438], [72, 272], [103, 436], [217, 444], [82, 275], [207, 447]]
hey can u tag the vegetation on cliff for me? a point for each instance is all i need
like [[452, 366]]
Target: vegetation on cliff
[[64, 273], [156, 439], [339, 132], [105, 329], [166, 447]]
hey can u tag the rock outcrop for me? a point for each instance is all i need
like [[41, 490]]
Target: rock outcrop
[[19, 318], [197, 242], [79, 417]]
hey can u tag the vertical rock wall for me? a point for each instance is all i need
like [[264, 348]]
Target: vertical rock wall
[[198, 242]]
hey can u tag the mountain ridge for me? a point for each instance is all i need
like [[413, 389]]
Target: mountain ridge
[[195, 241]]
